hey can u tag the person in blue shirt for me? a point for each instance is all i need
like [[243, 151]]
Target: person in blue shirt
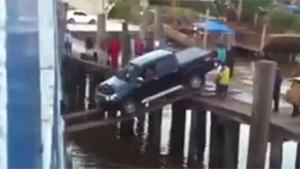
[[222, 53]]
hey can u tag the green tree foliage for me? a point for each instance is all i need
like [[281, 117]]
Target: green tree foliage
[[296, 23], [251, 7], [282, 19], [127, 10], [285, 20]]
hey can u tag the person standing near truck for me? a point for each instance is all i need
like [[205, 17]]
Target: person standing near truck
[[222, 81], [222, 53], [139, 47], [276, 90], [114, 50]]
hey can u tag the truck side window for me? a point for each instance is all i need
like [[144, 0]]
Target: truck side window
[[166, 65], [149, 73]]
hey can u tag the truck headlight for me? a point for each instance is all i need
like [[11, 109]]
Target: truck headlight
[[111, 98]]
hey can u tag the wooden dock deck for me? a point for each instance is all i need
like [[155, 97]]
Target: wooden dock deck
[[289, 127]]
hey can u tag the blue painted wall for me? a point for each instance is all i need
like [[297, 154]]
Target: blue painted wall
[[23, 82]]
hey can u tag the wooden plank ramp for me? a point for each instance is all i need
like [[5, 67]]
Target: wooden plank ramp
[[157, 104]]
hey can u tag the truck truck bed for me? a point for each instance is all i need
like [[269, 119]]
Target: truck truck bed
[[189, 55]]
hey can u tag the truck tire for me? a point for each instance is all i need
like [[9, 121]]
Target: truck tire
[[130, 107], [194, 81]]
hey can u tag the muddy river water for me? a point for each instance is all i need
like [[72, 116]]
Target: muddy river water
[[105, 148]]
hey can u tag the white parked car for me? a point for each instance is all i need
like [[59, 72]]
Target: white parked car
[[78, 16]]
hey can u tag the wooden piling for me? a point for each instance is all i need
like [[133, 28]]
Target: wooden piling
[[298, 156], [276, 150], [126, 48], [81, 85], [126, 128], [231, 144], [141, 124], [101, 28], [177, 129], [158, 28], [216, 143], [261, 111], [155, 121], [197, 138], [95, 80]]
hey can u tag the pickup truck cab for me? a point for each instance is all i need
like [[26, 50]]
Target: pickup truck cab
[[154, 73]]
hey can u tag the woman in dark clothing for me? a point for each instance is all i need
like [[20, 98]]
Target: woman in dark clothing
[[231, 53], [276, 91]]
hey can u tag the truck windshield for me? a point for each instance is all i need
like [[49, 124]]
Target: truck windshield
[[128, 73]]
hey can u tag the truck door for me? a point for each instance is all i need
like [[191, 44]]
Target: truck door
[[148, 85], [167, 71]]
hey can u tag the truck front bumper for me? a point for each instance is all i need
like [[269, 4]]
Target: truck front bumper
[[107, 103]]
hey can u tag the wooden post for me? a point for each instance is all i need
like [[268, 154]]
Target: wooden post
[[216, 143], [95, 79], [240, 10], [298, 156], [101, 22], [177, 130], [193, 152], [126, 48], [155, 121], [276, 150], [263, 35], [231, 144], [126, 127], [197, 138], [158, 29], [261, 111], [205, 29], [81, 82], [144, 23]]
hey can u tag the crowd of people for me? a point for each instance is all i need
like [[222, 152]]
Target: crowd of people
[[113, 50]]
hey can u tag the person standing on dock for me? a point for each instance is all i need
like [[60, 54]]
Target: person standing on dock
[[231, 53], [222, 81], [139, 47], [222, 53], [276, 90], [114, 50]]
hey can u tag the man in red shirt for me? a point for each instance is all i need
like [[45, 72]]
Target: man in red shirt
[[114, 49]]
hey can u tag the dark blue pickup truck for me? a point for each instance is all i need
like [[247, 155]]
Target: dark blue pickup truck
[[153, 75]]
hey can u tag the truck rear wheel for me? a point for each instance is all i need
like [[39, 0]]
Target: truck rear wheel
[[194, 81]]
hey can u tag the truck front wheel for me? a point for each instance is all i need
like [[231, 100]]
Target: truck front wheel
[[129, 107], [194, 81]]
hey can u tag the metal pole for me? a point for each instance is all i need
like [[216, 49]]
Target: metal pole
[[261, 111]]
